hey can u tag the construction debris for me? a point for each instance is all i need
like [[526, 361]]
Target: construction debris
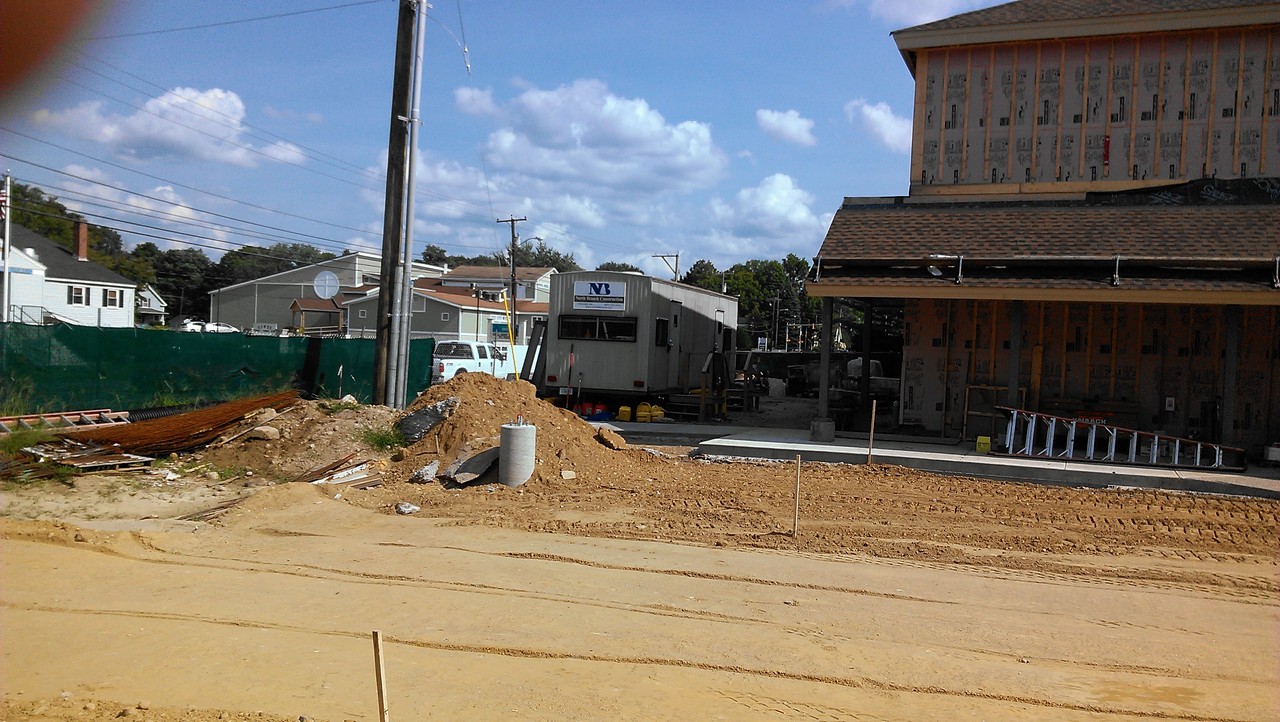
[[85, 456], [182, 432]]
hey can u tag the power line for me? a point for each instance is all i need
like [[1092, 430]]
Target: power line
[[175, 183], [299, 234], [241, 21], [233, 124]]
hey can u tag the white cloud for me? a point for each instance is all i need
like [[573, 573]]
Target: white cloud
[[788, 126], [157, 206], [775, 215], [591, 140], [893, 131], [474, 101], [916, 12], [183, 124]]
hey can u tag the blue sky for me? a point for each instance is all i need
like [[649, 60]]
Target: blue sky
[[724, 131]]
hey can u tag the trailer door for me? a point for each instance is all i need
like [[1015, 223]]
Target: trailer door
[[673, 348]]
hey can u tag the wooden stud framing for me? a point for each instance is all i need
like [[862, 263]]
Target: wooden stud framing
[[1137, 367], [1132, 123], [1062, 367], [1084, 110], [990, 104], [1057, 143], [964, 121], [1186, 112], [1088, 351], [1157, 161], [1213, 95], [1115, 336], [1266, 83], [1236, 139], [1106, 126]]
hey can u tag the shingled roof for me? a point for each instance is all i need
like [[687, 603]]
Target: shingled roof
[[1021, 250], [1029, 20], [1056, 11]]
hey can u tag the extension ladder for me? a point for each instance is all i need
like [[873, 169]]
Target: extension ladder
[[62, 421], [1034, 434]]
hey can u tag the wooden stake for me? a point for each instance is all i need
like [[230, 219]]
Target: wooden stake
[[871, 440], [795, 525], [383, 715]]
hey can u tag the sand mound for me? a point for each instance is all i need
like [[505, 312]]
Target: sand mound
[[485, 403]]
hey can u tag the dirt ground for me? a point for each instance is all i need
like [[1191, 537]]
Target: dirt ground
[[629, 583]]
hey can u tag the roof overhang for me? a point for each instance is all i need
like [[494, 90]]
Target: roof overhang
[[911, 40]]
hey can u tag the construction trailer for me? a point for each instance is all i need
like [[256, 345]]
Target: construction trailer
[[614, 335]]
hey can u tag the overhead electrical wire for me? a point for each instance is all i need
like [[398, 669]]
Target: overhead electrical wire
[[311, 154], [241, 21]]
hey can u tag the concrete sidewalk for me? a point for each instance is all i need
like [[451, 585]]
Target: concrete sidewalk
[[946, 457]]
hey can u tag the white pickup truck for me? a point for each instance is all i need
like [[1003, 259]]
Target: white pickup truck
[[460, 357]]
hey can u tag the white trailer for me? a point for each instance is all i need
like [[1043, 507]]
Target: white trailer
[[614, 334]]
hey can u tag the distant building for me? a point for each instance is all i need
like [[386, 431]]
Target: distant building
[[450, 313], [284, 300], [151, 307], [52, 284]]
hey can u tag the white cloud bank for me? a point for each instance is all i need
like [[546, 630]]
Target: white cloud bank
[[892, 131], [786, 126], [902, 14], [184, 123]]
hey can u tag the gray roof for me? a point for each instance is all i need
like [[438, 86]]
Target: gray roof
[[61, 263], [1056, 11]]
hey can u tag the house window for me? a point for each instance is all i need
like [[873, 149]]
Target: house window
[[598, 328], [112, 298], [364, 312], [444, 315], [77, 296]]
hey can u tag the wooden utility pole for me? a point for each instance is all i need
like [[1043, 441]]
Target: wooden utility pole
[[514, 239], [393, 213]]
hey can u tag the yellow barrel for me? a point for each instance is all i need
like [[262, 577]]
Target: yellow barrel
[[984, 445], [656, 412], [643, 411], [624, 413]]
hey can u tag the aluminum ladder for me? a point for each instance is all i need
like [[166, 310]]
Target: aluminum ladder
[[1045, 436]]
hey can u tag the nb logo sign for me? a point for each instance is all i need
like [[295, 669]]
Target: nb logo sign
[[600, 289]]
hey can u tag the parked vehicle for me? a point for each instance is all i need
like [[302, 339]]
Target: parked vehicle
[[195, 325], [460, 357]]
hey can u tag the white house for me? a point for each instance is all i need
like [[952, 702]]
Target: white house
[[51, 284], [151, 306]]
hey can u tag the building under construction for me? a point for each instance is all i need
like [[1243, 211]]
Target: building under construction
[[1093, 224]]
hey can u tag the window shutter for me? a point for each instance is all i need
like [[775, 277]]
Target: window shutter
[[104, 297], [69, 301]]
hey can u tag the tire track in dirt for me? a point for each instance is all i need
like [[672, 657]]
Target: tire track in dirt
[[858, 682]]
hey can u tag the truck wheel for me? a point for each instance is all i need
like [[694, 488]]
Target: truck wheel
[[459, 372]]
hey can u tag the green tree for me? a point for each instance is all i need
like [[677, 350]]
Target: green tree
[[703, 274], [435, 255], [616, 266], [182, 275], [540, 256], [252, 262]]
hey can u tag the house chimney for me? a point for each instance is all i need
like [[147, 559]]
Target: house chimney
[[82, 241]]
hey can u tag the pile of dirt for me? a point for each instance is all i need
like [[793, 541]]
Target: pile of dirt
[[564, 442]]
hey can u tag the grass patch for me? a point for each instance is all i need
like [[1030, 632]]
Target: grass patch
[[11, 444], [381, 439], [333, 406]]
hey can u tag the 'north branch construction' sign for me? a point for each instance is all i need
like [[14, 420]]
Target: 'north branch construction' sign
[[599, 295]]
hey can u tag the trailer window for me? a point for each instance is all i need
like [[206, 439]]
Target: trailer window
[[598, 328]]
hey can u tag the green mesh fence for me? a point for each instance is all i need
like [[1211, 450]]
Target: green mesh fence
[[58, 368]]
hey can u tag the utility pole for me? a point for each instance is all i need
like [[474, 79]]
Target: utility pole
[[667, 258], [514, 239], [393, 211]]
